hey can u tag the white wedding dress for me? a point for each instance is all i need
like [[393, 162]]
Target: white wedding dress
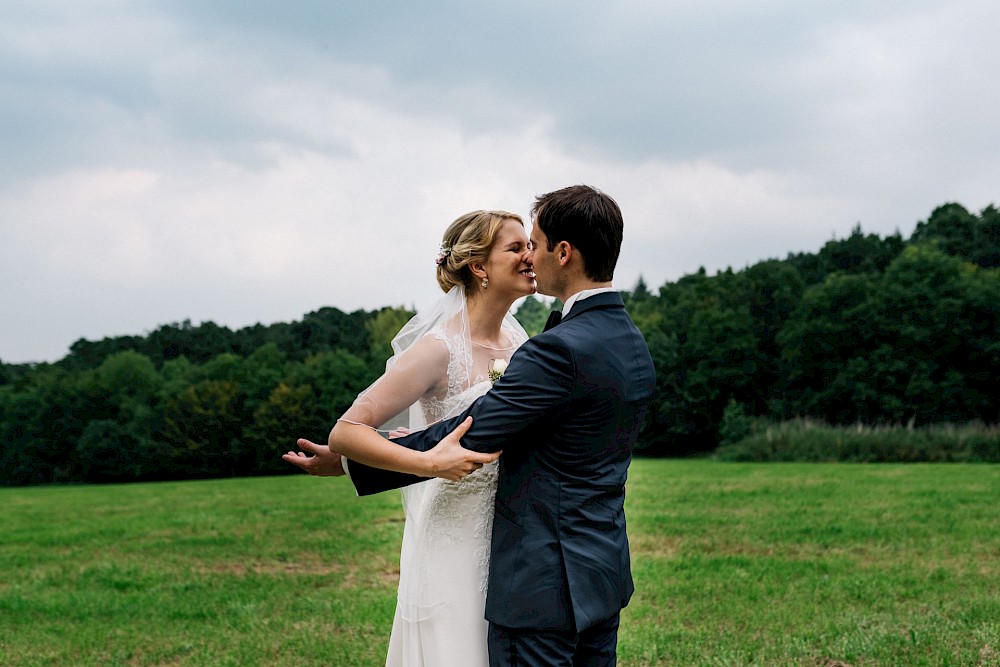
[[443, 564], [444, 560]]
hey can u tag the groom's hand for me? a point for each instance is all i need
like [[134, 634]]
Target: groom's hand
[[450, 460], [323, 462]]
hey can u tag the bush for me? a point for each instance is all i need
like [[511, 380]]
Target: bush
[[737, 426], [812, 441]]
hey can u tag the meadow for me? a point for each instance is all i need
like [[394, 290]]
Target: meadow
[[819, 565]]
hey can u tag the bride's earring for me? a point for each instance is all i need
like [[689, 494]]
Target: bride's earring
[[485, 283]]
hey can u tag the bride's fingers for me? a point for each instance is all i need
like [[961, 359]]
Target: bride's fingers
[[481, 458], [307, 445]]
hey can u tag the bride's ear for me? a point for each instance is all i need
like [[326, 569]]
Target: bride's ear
[[478, 270]]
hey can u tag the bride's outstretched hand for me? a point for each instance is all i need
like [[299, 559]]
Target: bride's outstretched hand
[[449, 460], [324, 462]]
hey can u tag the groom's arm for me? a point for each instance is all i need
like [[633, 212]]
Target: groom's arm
[[368, 480], [538, 383], [535, 390]]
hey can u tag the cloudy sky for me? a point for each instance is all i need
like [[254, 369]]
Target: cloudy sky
[[250, 161]]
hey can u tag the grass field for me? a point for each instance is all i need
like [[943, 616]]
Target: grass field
[[735, 564]]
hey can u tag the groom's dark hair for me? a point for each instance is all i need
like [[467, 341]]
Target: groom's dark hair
[[588, 220]]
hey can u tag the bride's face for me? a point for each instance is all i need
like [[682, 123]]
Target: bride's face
[[509, 266]]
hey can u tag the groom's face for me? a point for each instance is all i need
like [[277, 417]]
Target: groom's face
[[544, 262]]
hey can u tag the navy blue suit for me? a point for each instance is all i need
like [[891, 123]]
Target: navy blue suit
[[566, 414]]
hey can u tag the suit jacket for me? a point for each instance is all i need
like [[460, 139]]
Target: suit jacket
[[566, 414]]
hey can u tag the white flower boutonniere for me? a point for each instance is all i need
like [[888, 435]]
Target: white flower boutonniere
[[497, 368]]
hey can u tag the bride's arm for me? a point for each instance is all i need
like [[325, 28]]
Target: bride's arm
[[371, 449], [416, 373], [361, 443]]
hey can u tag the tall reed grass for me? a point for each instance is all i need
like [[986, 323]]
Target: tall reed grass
[[809, 440]]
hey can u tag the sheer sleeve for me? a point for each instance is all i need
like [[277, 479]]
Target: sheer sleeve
[[421, 370]]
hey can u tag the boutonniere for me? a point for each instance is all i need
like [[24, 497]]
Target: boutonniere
[[497, 367]]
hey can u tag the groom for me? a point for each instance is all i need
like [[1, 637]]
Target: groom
[[566, 414]]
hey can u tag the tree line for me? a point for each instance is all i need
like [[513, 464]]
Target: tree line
[[188, 401], [868, 330]]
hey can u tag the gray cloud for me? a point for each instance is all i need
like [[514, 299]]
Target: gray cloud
[[250, 161]]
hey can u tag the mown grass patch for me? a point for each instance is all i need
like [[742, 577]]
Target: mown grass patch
[[802, 564], [735, 564]]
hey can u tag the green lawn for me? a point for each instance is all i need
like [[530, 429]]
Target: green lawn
[[735, 564]]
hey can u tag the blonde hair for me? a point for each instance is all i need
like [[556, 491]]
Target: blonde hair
[[467, 241]]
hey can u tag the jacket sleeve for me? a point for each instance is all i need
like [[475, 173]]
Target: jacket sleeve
[[537, 385]]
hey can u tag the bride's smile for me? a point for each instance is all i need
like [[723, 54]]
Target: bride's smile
[[508, 266]]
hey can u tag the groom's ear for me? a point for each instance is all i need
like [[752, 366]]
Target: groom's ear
[[564, 252]]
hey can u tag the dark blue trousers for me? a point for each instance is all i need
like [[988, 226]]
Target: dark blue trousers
[[594, 647]]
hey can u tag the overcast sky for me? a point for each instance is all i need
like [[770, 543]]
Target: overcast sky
[[249, 161]]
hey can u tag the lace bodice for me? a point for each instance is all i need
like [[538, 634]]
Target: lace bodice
[[446, 514], [465, 383]]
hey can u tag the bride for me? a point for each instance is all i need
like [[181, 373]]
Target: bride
[[443, 360]]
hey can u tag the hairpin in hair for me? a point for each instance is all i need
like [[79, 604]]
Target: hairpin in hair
[[442, 255]]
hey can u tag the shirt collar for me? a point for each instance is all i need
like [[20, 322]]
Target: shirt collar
[[584, 294]]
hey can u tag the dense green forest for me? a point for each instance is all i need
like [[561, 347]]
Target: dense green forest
[[868, 330]]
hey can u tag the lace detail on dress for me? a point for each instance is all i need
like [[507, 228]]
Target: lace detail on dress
[[458, 512], [449, 521], [459, 362]]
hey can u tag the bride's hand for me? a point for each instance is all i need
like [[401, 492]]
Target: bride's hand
[[324, 462], [449, 460]]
